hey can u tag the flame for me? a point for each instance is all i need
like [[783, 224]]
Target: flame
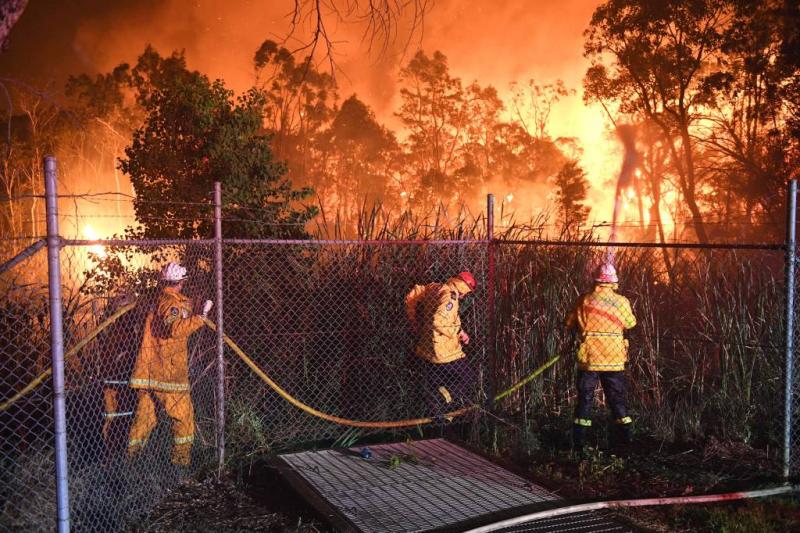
[[92, 235], [509, 197]]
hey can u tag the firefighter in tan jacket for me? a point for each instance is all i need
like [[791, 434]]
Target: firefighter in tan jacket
[[161, 371], [433, 313], [601, 317]]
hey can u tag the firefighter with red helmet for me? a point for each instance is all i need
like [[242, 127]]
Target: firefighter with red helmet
[[433, 313], [601, 317], [161, 371]]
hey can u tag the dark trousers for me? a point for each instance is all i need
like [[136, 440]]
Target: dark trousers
[[457, 377], [614, 387]]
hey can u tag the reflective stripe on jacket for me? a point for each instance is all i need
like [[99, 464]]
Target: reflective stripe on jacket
[[162, 363], [602, 315], [433, 309]]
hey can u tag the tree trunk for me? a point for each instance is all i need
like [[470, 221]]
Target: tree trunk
[[689, 187]]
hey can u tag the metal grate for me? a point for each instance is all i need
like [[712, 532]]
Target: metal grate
[[417, 486]]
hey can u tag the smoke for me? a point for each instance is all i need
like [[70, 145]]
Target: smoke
[[488, 41]]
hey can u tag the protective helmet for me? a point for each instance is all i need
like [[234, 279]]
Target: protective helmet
[[468, 278], [606, 273], [173, 272]]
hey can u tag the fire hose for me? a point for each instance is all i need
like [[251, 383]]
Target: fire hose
[[641, 502], [362, 423], [274, 386], [70, 354]]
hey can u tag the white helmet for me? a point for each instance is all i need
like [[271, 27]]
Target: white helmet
[[606, 273], [173, 272]]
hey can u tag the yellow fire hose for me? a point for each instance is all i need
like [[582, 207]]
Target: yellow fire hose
[[361, 423], [274, 386], [319, 414], [71, 353], [524, 381]]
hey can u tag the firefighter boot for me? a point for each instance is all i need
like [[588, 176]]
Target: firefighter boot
[[578, 439], [620, 439]]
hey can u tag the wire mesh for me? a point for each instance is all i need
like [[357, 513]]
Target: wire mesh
[[109, 486], [140, 418], [705, 358], [328, 323], [26, 427]]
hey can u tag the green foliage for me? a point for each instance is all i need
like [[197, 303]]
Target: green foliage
[[195, 134], [396, 460]]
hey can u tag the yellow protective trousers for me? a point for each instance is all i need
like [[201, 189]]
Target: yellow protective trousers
[[178, 407]]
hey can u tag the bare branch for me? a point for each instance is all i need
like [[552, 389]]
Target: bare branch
[[382, 20]]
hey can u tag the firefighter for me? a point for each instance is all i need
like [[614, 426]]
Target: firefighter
[[119, 347], [433, 313], [161, 372], [601, 317]]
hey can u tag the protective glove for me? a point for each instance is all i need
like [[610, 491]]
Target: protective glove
[[207, 307]]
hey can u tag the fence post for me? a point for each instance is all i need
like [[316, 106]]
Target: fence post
[[791, 264], [57, 343], [220, 332], [490, 298]]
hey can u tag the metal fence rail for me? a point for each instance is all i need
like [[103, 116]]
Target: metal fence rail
[[327, 322]]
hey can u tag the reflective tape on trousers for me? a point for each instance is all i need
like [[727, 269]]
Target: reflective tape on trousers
[[115, 415], [163, 386], [184, 440]]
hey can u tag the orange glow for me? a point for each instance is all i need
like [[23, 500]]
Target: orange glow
[[92, 235]]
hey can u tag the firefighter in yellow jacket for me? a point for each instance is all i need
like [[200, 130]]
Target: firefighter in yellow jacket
[[601, 317], [433, 313], [161, 371]]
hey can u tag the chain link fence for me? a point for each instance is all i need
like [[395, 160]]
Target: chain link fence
[[26, 426], [108, 294], [706, 357], [325, 342], [328, 322]]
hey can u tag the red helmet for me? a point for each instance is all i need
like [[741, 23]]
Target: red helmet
[[469, 279]]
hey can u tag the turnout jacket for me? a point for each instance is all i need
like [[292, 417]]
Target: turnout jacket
[[601, 316], [433, 310], [163, 360]]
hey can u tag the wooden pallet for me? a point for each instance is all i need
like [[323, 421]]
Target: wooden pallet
[[421, 486]]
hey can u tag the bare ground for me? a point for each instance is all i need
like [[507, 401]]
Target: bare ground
[[259, 500]]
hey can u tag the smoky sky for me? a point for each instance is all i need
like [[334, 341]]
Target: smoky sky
[[492, 42], [487, 41]]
